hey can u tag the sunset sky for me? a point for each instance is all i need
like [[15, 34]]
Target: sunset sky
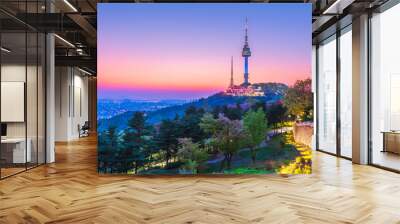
[[183, 51]]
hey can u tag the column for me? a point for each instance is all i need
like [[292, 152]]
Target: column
[[360, 90]]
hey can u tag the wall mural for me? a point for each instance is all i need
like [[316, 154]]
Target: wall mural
[[204, 88]]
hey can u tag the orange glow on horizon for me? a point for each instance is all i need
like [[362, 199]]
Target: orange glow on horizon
[[196, 74], [109, 85]]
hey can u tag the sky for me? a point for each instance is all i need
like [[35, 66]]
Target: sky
[[183, 51]]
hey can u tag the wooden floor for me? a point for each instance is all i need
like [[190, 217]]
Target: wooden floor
[[5, 172], [386, 159], [70, 191]]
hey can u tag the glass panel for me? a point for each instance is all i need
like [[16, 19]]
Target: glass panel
[[31, 98], [327, 95], [385, 84], [23, 90], [13, 88], [41, 98], [32, 88], [346, 93]]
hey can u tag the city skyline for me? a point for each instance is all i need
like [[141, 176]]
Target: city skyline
[[178, 55]]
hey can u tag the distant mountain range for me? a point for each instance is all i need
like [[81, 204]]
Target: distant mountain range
[[273, 93]]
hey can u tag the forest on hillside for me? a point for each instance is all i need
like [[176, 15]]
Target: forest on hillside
[[249, 137]]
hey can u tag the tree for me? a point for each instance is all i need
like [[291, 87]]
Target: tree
[[191, 154], [110, 137], [232, 112], [259, 104], [135, 141], [229, 138], [190, 124], [227, 135], [109, 149], [276, 114], [167, 138], [255, 127], [149, 147], [216, 111], [299, 100], [209, 124]]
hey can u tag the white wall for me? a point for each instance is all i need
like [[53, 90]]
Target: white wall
[[71, 102], [80, 110], [12, 73], [62, 82]]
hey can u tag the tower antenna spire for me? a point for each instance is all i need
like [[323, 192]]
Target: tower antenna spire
[[246, 27]]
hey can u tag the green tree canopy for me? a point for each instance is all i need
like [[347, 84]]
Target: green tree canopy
[[209, 124], [227, 135], [276, 114], [255, 127], [230, 137], [135, 141], [190, 124], [192, 154], [167, 138], [109, 150], [299, 100]]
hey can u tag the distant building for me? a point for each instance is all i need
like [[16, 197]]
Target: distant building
[[245, 89]]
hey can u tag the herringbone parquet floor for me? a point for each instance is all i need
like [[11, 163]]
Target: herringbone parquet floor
[[71, 191]]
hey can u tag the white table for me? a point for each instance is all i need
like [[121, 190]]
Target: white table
[[19, 153]]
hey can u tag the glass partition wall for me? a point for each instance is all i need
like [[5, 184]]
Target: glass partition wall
[[334, 90], [13, 89], [327, 95], [334, 94], [385, 89], [22, 98], [345, 92]]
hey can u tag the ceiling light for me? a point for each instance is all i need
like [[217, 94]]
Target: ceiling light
[[331, 7], [337, 7], [65, 41], [5, 50], [70, 5], [79, 51], [84, 71]]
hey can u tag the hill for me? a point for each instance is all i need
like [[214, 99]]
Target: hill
[[273, 93]]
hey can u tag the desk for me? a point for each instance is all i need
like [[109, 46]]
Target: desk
[[391, 141], [16, 147]]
